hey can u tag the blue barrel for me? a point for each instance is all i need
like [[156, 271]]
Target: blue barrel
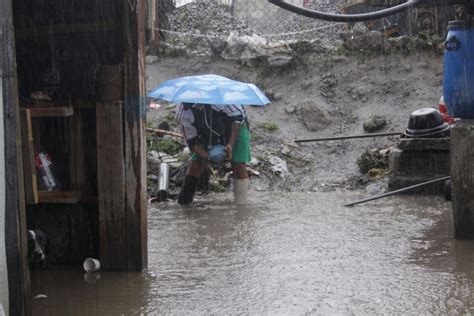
[[458, 82]]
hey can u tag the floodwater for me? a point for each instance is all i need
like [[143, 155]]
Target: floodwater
[[285, 254]]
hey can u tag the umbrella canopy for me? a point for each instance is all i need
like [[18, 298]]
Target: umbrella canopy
[[209, 89]]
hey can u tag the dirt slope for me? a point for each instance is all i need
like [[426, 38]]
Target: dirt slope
[[349, 87]]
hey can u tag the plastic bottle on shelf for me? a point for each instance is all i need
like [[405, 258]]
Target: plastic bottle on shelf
[[45, 172]]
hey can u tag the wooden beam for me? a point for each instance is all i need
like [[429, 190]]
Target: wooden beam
[[162, 132], [15, 216], [111, 186], [59, 196], [52, 112], [462, 172], [28, 153], [134, 131], [91, 27]]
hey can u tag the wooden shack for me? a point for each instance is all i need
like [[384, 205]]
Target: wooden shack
[[72, 90]]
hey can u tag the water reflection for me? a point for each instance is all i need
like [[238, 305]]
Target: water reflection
[[69, 291], [285, 254]]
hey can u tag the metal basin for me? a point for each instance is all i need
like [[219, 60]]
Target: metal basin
[[426, 122]]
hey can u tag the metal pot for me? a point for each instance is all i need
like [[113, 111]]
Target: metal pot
[[426, 122]]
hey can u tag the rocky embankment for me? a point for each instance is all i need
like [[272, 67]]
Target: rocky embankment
[[364, 84]]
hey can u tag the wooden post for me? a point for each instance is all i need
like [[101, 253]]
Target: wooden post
[[134, 133], [29, 168], [111, 186], [15, 212], [462, 174]]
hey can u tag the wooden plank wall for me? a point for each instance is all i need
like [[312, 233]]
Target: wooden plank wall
[[121, 157], [134, 129], [111, 185], [15, 217]]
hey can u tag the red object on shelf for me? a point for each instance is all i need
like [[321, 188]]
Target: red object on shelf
[[306, 2]]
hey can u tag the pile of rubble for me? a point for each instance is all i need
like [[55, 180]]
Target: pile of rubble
[[201, 29], [206, 18], [304, 28], [207, 29]]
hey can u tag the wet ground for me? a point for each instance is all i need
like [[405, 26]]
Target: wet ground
[[283, 254]]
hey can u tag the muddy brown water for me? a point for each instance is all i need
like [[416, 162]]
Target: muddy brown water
[[289, 254]]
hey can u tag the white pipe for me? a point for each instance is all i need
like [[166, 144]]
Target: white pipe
[[163, 181]]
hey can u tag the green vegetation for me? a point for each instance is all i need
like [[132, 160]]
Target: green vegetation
[[268, 126], [431, 39], [372, 159], [169, 118], [340, 50], [376, 173], [254, 136], [215, 186], [169, 146], [150, 124]]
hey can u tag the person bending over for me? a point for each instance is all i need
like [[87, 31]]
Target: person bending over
[[204, 126]]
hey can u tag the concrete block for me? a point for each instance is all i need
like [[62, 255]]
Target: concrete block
[[417, 160], [424, 144]]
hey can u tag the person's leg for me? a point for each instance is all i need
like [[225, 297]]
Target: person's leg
[[188, 189], [240, 182], [240, 170], [240, 156]]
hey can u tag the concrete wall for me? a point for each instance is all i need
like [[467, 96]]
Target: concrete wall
[[3, 256]]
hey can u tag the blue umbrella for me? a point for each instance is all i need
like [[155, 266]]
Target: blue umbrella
[[209, 89]]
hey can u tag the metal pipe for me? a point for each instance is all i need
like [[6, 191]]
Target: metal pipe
[[347, 137], [363, 16], [163, 181], [344, 17], [397, 191]]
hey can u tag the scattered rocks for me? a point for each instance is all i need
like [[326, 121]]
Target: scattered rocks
[[150, 59], [279, 166], [290, 109], [328, 85], [370, 41], [244, 47], [279, 60], [374, 123], [314, 117], [305, 85], [206, 17]]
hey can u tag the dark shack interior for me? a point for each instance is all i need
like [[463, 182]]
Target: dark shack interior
[[69, 56]]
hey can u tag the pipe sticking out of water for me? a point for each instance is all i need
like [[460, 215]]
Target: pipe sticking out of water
[[398, 191], [163, 181]]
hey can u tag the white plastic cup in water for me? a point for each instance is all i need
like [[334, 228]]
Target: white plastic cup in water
[[91, 265]]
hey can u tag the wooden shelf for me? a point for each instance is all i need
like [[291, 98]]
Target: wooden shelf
[[59, 196], [31, 141], [62, 111]]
